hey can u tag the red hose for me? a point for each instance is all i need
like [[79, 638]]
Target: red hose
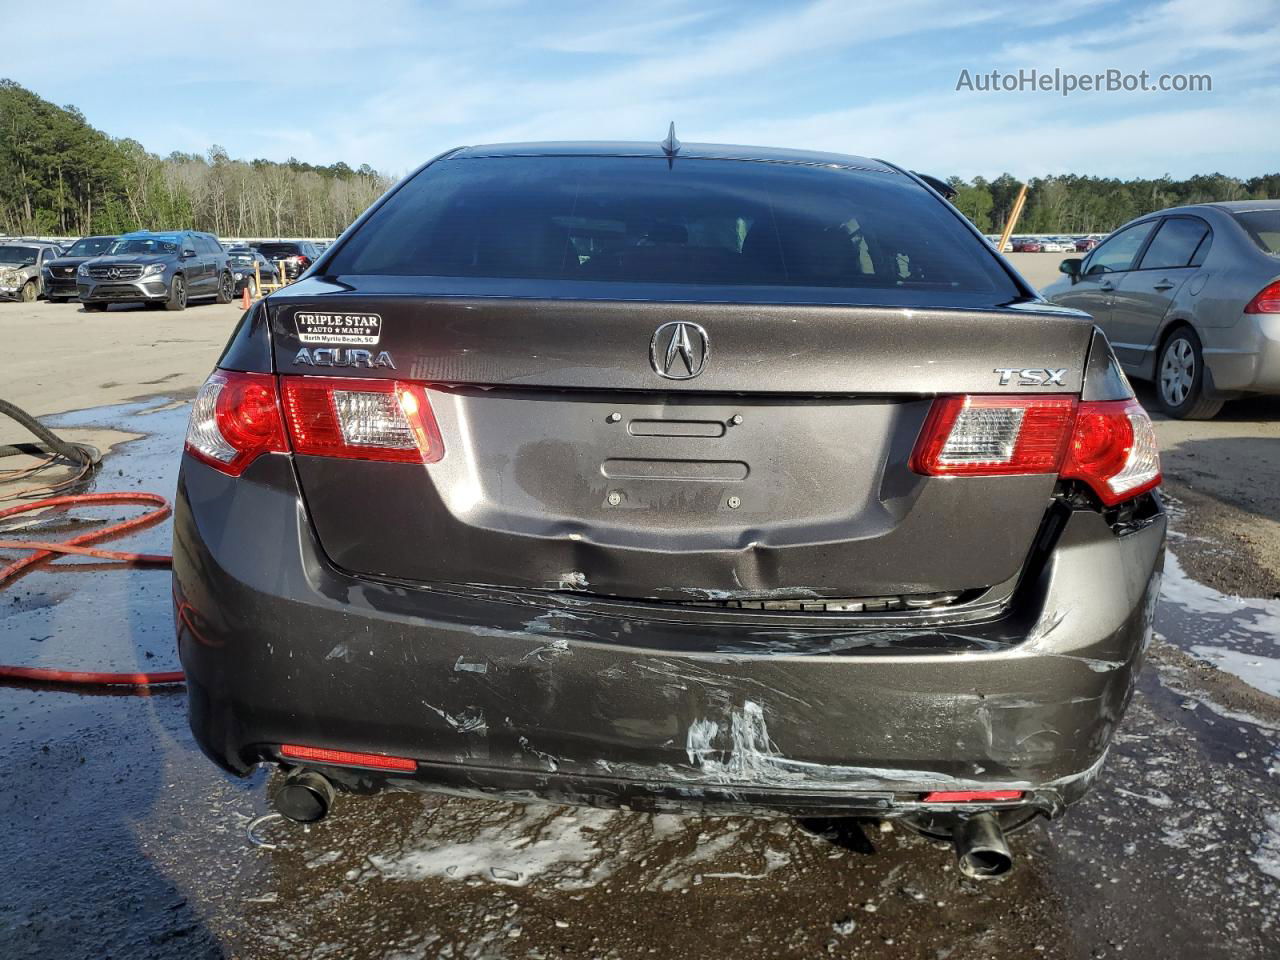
[[44, 551]]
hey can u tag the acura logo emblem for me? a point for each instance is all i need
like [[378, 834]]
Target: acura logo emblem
[[679, 350]]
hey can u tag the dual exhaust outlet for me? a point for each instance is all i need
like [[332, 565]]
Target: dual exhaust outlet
[[982, 853]]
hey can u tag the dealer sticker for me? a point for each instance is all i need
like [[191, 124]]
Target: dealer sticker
[[356, 328]]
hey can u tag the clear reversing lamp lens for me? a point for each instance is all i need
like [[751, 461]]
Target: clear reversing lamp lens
[[983, 435], [373, 420]]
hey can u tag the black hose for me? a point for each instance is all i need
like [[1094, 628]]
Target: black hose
[[80, 453]]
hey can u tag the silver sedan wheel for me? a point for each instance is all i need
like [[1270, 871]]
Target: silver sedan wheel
[[1177, 371]]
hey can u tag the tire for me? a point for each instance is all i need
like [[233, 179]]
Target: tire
[[1180, 378], [252, 286], [30, 292], [94, 307], [177, 294], [226, 288]]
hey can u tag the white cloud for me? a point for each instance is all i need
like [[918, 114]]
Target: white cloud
[[395, 82]]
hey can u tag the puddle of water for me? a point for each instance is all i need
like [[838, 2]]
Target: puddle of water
[[1240, 635], [116, 618]]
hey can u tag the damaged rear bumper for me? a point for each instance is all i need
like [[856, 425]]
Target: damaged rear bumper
[[522, 695]]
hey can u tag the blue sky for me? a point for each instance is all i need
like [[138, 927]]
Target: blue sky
[[392, 83]]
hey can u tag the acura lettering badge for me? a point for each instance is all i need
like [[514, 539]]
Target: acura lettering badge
[[679, 350]]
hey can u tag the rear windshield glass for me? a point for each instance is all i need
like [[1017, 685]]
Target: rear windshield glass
[[698, 221], [1263, 226], [274, 251]]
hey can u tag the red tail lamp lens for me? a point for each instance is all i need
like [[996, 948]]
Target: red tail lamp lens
[[1110, 445], [1267, 300], [966, 436], [1113, 450], [386, 420], [234, 419]]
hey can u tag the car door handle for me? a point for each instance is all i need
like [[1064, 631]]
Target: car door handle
[[1164, 285]]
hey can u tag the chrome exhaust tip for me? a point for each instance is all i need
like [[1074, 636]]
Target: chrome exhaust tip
[[981, 849], [304, 796]]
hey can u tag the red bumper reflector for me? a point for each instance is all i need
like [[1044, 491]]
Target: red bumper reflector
[[971, 796], [347, 758]]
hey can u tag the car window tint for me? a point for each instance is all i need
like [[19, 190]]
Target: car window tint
[[1117, 253], [641, 220], [1202, 249], [1263, 227], [1174, 243], [278, 251]]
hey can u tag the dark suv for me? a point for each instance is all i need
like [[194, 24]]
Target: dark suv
[[296, 256], [709, 478], [60, 274], [161, 269]]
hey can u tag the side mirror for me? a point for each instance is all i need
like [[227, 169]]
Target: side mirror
[[1071, 267], [188, 254]]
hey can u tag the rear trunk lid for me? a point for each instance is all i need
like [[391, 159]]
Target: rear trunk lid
[[777, 476]]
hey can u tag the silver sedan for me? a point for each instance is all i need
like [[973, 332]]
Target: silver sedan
[[1190, 299]]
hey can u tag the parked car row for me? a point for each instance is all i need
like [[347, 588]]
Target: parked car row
[[1054, 244], [158, 268]]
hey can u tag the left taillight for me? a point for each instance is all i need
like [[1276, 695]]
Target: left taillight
[[1109, 445], [235, 418]]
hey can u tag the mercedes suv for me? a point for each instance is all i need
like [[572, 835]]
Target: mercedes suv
[[167, 269], [693, 478]]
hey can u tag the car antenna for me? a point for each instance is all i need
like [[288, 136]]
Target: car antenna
[[671, 146]]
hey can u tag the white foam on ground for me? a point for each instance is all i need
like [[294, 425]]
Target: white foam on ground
[[1250, 621], [512, 851], [1260, 672], [1267, 857]]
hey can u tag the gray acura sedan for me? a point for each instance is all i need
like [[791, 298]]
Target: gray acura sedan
[[690, 477], [1190, 299]]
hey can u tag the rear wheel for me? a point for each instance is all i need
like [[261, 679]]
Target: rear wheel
[[1180, 378], [177, 294], [30, 291], [226, 288]]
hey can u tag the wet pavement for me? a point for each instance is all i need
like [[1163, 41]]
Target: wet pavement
[[122, 840]]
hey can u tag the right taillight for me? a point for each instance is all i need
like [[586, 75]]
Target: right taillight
[[1113, 449], [1110, 446], [387, 420], [1267, 300]]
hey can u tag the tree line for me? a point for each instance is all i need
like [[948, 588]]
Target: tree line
[[60, 176], [1074, 204]]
